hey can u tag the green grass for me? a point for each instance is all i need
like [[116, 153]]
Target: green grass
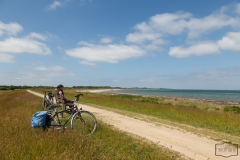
[[199, 114], [18, 141], [234, 109]]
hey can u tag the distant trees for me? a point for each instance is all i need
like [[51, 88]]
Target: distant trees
[[12, 87]]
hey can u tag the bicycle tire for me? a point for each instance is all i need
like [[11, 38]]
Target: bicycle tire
[[41, 131], [84, 123], [45, 104]]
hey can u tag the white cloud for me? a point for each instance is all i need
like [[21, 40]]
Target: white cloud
[[139, 37], [36, 35], [230, 42], [54, 5], [49, 69], [213, 22], [87, 63], [106, 40], [105, 53], [170, 23], [10, 28], [25, 45], [199, 49], [6, 58], [158, 31], [177, 23]]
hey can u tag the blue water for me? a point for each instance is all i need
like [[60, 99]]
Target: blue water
[[219, 95]]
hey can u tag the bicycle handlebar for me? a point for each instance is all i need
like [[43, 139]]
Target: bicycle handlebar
[[77, 96]]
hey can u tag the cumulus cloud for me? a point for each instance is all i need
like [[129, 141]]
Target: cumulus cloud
[[10, 28], [160, 29], [199, 49], [18, 45], [230, 42], [177, 23], [105, 53], [13, 44]]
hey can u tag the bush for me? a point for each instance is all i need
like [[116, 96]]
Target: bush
[[234, 109], [3, 88]]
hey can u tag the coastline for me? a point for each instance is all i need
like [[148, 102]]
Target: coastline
[[217, 101], [98, 90]]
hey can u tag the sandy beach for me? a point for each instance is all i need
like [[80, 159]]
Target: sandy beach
[[98, 90]]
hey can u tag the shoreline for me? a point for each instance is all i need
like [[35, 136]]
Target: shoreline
[[112, 91]]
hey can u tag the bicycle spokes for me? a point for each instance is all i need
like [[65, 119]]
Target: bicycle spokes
[[84, 123]]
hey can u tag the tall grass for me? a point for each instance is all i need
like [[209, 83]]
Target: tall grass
[[18, 141], [198, 114]]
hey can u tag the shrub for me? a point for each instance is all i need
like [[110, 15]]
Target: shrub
[[235, 109]]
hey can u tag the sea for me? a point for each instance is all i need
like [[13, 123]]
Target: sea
[[209, 95]]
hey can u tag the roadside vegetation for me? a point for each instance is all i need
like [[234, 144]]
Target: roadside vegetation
[[18, 141], [213, 120], [205, 116]]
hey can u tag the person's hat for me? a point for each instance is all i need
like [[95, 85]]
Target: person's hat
[[60, 85]]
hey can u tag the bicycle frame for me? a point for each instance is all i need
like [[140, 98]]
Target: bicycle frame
[[71, 110], [61, 112], [83, 122]]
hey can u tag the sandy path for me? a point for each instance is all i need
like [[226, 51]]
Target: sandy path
[[189, 144]]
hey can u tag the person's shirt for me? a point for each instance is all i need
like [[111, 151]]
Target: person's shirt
[[60, 95]]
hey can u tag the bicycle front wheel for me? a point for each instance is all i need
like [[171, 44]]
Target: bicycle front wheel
[[84, 123]]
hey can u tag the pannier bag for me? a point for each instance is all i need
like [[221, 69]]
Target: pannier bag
[[39, 119]]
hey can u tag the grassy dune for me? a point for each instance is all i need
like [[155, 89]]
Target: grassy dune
[[18, 141]]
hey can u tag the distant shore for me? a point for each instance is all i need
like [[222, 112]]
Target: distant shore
[[98, 90], [112, 91]]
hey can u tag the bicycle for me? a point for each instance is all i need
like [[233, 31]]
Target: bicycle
[[81, 121], [47, 101]]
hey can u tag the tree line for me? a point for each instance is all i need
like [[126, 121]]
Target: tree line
[[13, 87]]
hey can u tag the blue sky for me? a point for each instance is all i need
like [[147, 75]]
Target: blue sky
[[180, 44]]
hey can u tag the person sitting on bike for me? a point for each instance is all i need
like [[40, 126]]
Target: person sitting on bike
[[60, 96]]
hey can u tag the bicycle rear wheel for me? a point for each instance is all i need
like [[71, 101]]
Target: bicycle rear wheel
[[45, 104], [84, 123]]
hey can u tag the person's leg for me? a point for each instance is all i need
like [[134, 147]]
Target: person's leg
[[68, 103]]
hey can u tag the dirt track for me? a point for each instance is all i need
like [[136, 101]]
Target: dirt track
[[189, 144]]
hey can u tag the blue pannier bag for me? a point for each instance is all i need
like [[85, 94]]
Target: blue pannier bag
[[39, 119]]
